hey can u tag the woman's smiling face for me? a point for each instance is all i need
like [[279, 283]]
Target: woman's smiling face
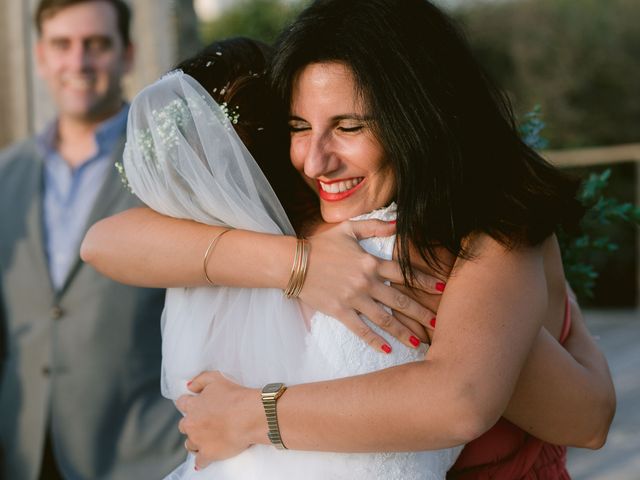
[[333, 145]]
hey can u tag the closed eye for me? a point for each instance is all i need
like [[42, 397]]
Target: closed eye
[[351, 129], [298, 127]]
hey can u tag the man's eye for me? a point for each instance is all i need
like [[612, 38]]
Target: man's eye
[[60, 44], [98, 44]]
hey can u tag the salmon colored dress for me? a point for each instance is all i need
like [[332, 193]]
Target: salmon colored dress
[[506, 452]]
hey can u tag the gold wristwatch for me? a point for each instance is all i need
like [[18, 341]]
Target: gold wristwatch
[[270, 394]]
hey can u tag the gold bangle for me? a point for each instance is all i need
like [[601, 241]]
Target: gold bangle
[[207, 254], [298, 269]]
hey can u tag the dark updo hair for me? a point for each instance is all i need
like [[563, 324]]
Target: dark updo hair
[[233, 72], [459, 163]]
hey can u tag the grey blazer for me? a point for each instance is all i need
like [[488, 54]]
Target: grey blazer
[[84, 360]]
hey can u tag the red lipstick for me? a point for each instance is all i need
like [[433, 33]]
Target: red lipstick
[[335, 197]]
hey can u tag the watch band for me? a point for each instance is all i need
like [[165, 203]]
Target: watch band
[[270, 394]]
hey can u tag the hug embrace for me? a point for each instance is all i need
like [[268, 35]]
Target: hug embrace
[[382, 293]]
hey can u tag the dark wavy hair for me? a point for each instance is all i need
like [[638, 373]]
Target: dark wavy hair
[[460, 165], [233, 72], [48, 8]]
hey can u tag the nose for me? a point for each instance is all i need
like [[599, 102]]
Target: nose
[[79, 57], [321, 158]]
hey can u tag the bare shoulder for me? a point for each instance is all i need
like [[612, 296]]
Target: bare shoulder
[[490, 314], [484, 251], [531, 276]]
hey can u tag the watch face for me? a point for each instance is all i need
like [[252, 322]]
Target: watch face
[[272, 388]]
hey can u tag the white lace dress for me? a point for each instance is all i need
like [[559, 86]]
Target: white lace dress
[[332, 351]]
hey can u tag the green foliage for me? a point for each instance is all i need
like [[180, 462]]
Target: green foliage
[[259, 19], [577, 59], [600, 210], [577, 252], [531, 129]]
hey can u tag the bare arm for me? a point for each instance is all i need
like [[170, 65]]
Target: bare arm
[[455, 394], [565, 397], [578, 393], [142, 247], [565, 393]]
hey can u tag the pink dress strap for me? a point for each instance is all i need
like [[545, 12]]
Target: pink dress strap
[[566, 325]]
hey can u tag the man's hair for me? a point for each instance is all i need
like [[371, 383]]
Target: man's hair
[[48, 8]]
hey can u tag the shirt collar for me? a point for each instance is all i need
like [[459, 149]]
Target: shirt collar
[[106, 133]]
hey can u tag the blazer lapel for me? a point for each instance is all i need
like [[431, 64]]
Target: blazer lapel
[[106, 203], [35, 219]]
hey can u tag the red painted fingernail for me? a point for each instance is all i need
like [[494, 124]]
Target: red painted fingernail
[[432, 322], [392, 222], [440, 286], [386, 348], [189, 383], [414, 341]]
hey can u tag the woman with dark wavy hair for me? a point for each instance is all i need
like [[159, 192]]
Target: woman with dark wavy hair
[[388, 107]]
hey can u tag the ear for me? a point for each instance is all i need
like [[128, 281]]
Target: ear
[[38, 53]]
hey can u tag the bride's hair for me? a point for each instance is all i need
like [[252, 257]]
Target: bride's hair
[[233, 73], [460, 165]]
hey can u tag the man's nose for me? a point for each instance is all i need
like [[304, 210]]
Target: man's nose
[[80, 57]]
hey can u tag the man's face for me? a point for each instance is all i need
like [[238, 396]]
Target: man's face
[[81, 56]]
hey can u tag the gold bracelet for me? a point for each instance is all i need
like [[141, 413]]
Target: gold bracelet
[[207, 254], [298, 269]]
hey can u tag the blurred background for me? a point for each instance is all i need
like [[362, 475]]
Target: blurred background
[[575, 62]]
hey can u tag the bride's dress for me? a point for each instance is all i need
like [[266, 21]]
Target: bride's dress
[[184, 159]]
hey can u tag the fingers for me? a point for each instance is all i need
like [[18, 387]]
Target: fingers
[[420, 331], [202, 461], [353, 322], [428, 283], [201, 381], [182, 404], [390, 270], [190, 446], [423, 304], [372, 228], [403, 300], [390, 324]]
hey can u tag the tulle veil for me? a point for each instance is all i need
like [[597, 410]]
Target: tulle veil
[[184, 159]]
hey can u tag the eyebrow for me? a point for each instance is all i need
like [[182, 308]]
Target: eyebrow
[[337, 118], [97, 36]]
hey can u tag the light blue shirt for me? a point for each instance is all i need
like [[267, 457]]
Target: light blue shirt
[[70, 193]]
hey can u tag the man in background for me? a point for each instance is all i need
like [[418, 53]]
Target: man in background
[[80, 369]]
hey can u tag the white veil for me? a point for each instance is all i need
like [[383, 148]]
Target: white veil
[[184, 159]]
